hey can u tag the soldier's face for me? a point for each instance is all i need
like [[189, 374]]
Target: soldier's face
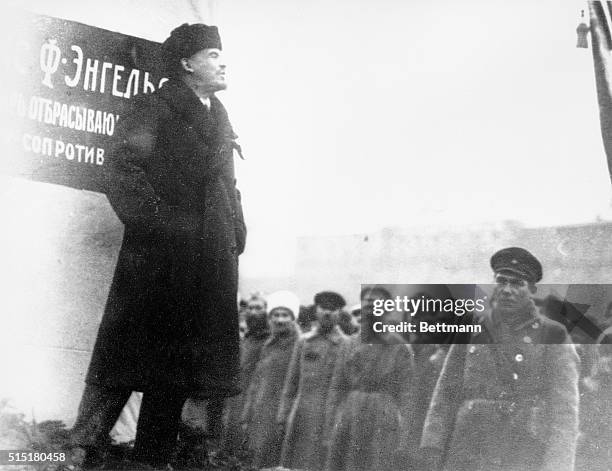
[[256, 308], [327, 317], [255, 314], [280, 319], [511, 292], [208, 69], [367, 303]]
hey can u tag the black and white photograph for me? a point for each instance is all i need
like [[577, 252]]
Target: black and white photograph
[[290, 235]]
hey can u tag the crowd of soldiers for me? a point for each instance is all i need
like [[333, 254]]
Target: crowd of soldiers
[[316, 397]]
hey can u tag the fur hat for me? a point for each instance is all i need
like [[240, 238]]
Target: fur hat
[[185, 41], [329, 300]]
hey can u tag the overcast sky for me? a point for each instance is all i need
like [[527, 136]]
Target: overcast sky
[[355, 115]]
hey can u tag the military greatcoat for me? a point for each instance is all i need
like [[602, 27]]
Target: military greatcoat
[[369, 406], [171, 318], [507, 406], [306, 389], [263, 397], [428, 362]]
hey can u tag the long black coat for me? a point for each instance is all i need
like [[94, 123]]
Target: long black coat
[[171, 318]]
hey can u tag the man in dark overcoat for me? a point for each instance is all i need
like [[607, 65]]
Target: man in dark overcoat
[[508, 399], [170, 327]]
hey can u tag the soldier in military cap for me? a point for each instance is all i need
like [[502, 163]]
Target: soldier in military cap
[[301, 413], [327, 309], [369, 405], [508, 400]]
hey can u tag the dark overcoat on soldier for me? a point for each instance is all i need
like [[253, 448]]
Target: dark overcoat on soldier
[[263, 397], [171, 317], [507, 406], [305, 392], [369, 405], [428, 362]]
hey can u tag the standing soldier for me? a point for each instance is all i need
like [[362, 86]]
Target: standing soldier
[[263, 396], [430, 350], [369, 407], [170, 327], [508, 400], [312, 364], [250, 350]]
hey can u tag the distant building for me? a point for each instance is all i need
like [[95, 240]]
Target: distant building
[[573, 254]]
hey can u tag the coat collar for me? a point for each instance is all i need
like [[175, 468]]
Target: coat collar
[[335, 336], [283, 337], [495, 332], [183, 100]]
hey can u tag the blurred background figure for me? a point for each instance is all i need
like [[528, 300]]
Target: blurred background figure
[[306, 318], [430, 350], [263, 438], [350, 320], [555, 308], [242, 307], [256, 333], [370, 407], [306, 389], [347, 323], [594, 451]]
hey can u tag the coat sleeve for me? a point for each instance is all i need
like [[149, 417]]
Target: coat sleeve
[[445, 401], [127, 184], [292, 381], [563, 363]]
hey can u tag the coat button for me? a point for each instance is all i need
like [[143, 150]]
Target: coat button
[[535, 325], [472, 349], [514, 376], [519, 357]]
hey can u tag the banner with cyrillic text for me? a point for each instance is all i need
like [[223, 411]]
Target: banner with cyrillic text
[[69, 86]]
